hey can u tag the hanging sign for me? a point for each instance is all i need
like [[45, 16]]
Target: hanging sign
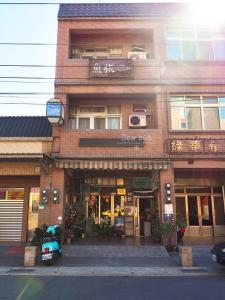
[[121, 191]]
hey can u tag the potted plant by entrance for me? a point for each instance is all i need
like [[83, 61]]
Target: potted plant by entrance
[[164, 232]]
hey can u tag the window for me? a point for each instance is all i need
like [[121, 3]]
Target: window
[[193, 115], [198, 112], [96, 52], [140, 108], [96, 117], [113, 122], [84, 123], [192, 45]]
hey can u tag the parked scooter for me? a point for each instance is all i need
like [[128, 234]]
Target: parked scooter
[[51, 245]]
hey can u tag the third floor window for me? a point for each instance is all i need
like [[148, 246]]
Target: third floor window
[[195, 45]]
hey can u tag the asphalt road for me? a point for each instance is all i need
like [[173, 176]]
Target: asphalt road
[[111, 288]]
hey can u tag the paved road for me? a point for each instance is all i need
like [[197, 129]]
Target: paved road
[[111, 288]]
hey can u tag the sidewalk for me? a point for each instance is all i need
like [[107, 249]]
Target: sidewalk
[[112, 260]]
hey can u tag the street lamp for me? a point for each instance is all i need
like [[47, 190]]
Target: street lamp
[[55, 111]]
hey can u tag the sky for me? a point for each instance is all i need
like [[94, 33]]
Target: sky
[[31, 24]]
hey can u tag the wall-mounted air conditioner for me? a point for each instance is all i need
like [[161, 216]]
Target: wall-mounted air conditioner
[[137, 121], [137, 55]]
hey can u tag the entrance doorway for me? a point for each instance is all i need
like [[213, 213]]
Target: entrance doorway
[[33, 211], [202, 209], [145, 217], [106, 207]]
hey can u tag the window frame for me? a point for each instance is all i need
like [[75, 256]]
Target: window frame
[[200, 105], [213, 38], [92, 115]]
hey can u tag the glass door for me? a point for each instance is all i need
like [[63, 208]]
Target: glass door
[[33, 211], [193, 215], [206, 216]]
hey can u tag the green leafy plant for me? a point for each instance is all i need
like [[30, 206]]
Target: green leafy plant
[[104, 230], [38, 234], [161, 230], [181, 222]]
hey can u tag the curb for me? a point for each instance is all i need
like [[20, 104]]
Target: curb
[[108, 271]]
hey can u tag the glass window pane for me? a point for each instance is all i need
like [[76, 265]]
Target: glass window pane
[[206, 210], [204, 35], [178, 118], [193, 115], [99, 123], [219, 50], [222, 117], [177, 101], [192, 100], [173, 50], [219, 210], [113, 123], [85, 109], [140, 108], [175, 35], [205, 50], [188, 35], [211, 118], [98, 109], [210, 100], [180, 209], [222, 100], [193, 211], [114, 109], [84, 123], [189, 50], [219, 35], [72, 123]]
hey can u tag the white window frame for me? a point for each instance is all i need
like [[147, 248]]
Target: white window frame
[[200, 105], [212, 39], [92, 117]]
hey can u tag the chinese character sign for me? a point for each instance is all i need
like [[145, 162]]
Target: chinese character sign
[[110, 68], [195, 146]]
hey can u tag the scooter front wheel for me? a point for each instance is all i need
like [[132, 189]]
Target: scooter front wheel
[[48, 262]]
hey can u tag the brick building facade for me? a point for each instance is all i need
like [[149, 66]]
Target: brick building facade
[[143, 92]]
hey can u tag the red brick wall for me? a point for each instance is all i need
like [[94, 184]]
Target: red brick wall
[[54, 180]]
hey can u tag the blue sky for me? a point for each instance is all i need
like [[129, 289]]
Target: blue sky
[[29, 24]]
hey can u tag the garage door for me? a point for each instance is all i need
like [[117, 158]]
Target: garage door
[[11, 214]]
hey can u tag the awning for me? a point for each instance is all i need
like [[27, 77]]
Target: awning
[[112, 164]]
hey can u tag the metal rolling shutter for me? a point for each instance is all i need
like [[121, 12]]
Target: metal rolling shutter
[[11, 218]]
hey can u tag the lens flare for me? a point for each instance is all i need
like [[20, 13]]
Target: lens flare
[[208, 12]]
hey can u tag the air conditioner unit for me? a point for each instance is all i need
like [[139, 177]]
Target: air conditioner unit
[[136, 121], [137, 55]]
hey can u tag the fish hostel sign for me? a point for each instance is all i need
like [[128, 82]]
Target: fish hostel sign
[[205, 146], [110, 68]]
